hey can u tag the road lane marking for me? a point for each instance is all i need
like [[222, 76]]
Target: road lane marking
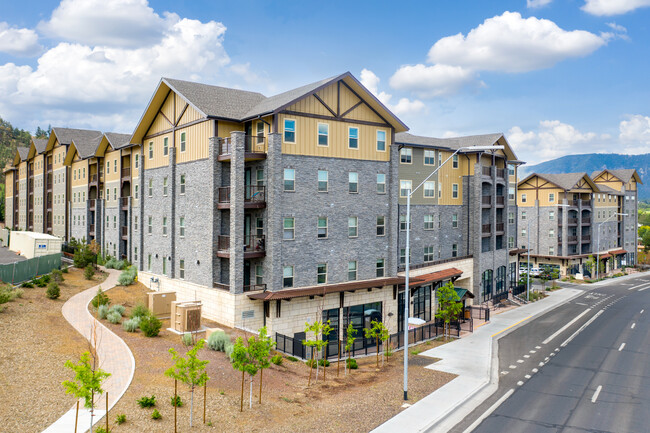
[[520, 361], [532, 351], [526, 356], [541, 364], [488, 412], [557, 349], [514, 324], [512, 367], [638, 286], [580, 303], [527, 376], [562, 329], [641, 311], [633, 325], [595, 397], [534, 370], [520, 383], [645, 288], [538, 347], [622, 346], [568, 340], [505, 372]]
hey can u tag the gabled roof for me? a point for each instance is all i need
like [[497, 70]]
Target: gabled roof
[[455, 143], [608, 189], [82, 138], [23, 152], [36, 147], [117, 140], [624, 175], [566, 181]]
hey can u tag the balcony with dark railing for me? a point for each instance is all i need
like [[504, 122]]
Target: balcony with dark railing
[[49, 167], [486, 171], [49, 182], [585, 203], [92, 204], [91, 229], [254, 246], [572, 221], [500, 227], [49, 204], [501, 200], [255, 148], [585, 221], [486, 229], [126, 173], [585, 239], [254, 197], [572, 239], [94, 179], [124, 201], [125, 232], [501, 173], [486, 200]]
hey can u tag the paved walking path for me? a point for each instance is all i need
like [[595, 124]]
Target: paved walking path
[[115, 357], [471, 358]]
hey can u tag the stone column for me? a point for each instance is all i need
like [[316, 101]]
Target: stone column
[[565, 228], [212, 190], [172, 211], [142, 196], [392, 223], [274, 187], [237, 182]]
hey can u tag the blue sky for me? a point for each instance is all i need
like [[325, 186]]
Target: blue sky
[[558, 77]]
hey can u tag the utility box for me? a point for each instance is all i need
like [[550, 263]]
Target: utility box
[[160, 303], [186, 316], [32, 244]]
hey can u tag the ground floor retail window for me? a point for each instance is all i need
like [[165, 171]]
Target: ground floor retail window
[[361, 316], [486, 283], [422, 303]]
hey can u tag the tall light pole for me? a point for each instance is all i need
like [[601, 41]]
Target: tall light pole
[[407, 297], [598, 242]]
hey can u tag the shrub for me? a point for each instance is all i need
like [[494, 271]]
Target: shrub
[[46, 278], [110, 263], [5, 296], [351, 363], [150, 325], [100, 299], [89, 272], [140, 310], [176, 401], [102, 429], [155, 414], [187, 339], [102, 311], [131, 325], [65, 270], [17, 293], [324, 363], [292, 358], [27, 285], [218, 341], [119, 265], [229, 349], [83, 256], [39, 282], [145, 401], [114, 317], [53, 291], [277, 359], [120, 419], [57, 275], [118, 308], [126, 278]]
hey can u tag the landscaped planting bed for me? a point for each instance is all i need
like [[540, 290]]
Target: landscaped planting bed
[[35, 341], [359, 402]]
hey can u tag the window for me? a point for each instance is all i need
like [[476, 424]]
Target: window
[[353, 227], [114, 193], [149, 262], [551, 251], [353, 182], [165, 186], [135, 223], [428, 254], [523, 232], [439, 189], [523, 215], [430, 189], [511, 242], [287, 276], [321, 273], [165, 146], [402, 222], [259, 174], [183, 141], [454, 190], [181, 227], [511, 217], [429, 157], [381, 141], [259, 227], [551, 233], [405, 155], [551, 197], [164, 226], [164, 263], [352, 270], [551, 215], [74, 175], [260, 132], [402, 256], [289, 229], [523, 198], [405, 187], [511, 193], [150, 225], [454, 220], [115, 165], [322, 227], [353, 138], [290, 135], [323, 134], [454, 250], [289, 179], [150, 188], [381, 183], [181, 269], [381, 225], [135, 254], [151, 150], [108, 167], [428, 222], [322, 180], [137, 160], [259, 274], [182, 184], [454, 161]]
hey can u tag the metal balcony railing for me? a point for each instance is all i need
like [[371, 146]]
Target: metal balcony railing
[[501, 200], [486, 228], [486, 200], [487, 171], [252, 144]]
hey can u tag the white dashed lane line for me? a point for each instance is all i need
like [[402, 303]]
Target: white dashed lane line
[[633, 325], [621, 348], [596, 394]]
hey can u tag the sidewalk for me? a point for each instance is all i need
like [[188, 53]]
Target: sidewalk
[[472, 359], [114, 355]]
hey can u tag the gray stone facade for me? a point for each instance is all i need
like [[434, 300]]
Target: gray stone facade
[[39, 202]]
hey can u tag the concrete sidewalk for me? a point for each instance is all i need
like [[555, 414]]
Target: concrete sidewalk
[[115, 357], [475, 360]]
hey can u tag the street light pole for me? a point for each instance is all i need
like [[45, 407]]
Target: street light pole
[[407, 261]]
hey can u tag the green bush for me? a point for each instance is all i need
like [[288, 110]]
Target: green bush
[[127, 277], [118, 308], [229, 349], [102, 429], [292, 358], [120, 419], [352, 363], [150, 325], [53, 291], [176, 401], [110, 263], [102, 311], [145, 401], [39, 282], [100, 299], [277, 359], [324, 363], [57, 275], [83, 256], [187, 339], [17, 293], [218, 341], [140, 310], [46, 278], [64, 270], [27, 285], [131, 325], [155, 414], [5, 296], [89, 272], [114, 317]]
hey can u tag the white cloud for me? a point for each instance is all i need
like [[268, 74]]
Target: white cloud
[[533, 4], [634, 134], [616, 27], [18, 42], [404, 106], [511, 43], [116, 23], [613, 7], [432, 81]]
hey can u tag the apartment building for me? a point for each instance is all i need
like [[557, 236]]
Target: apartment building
[[463, 222], [566, 218]]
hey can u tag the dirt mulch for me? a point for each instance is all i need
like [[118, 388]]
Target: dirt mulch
[[35, 342], [356, 403]]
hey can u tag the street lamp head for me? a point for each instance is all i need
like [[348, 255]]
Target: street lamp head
[[480, 148], [621, 214]]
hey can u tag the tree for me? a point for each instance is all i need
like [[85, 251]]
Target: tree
[[378, 331], [349, 342], [449, 305], [319, 329], [242, 360], [261, 351], [190, 370], [645, 240]]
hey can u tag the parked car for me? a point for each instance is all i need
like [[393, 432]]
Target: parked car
[[535, 272]]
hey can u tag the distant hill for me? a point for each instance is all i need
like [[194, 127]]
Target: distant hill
[[591, 162]]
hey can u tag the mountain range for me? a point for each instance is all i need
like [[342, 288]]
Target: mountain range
[[591, 162]]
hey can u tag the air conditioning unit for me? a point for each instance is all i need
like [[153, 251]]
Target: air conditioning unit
[[160, 303], [186, 316]]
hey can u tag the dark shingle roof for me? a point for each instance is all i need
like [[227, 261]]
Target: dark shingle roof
[[23, 152], [40, 144], [608, 190], [563, 180], [418, 140], [68, 135], [448, 143], [624, 174], [117, 140]]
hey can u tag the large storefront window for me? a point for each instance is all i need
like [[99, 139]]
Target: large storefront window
[[486, 281], [501, 279], [514, 279], [422, 303], [361, 316], [333, 316]]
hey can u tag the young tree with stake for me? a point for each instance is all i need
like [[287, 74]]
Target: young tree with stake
[[379, 332], [449, 305], [349, 342], [262, 352], [244, 361], [318, 328]]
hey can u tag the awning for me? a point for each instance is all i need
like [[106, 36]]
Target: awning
[[605, 256], [434, 277], [322, 290], [464, 293], [517, 251], [618, 252]]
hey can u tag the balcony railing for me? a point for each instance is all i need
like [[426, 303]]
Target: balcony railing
[[486, 171], [486, 199], [501, 200], [501, 173], [221, 286], [254, 196], [252, 144], [586, 203], [586, 220], [254, 287], [572, 221], [125, 232], [586, 238], [486, 228], [91, 229], [500, 227], [49, 204], [92, 204], [49, 167], [125, 203], [94, 178], [572, 238], [126, 173], [253, 246]]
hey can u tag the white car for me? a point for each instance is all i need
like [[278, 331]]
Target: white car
[[534, 272]]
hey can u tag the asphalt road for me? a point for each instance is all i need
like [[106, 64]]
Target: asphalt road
[[583, 367]]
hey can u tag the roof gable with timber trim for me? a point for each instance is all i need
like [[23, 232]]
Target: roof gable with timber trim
[[20, 155], [454, 143], [36, 147], [114, 141], [564, 181], [622, 175], [65, 136]]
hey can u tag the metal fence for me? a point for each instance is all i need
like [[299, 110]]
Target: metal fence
[[478, 312], [27, 269], [518, 290]]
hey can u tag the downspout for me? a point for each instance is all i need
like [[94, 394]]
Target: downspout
[[469, 162]]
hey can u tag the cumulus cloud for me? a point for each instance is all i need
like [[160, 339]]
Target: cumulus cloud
[[634, 134], [18, 42], [613, 7], [533, 4], [432, 81], [511, 43], [404, 106]]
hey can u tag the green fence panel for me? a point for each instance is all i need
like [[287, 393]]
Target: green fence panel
[[49, 262], [27, 269], [6, 272]]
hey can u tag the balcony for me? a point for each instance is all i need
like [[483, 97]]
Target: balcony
[[585, 203], [572, 221], [254, 197], [91, 229], [572, 239], [486, 200], [501, 173], [125, 203], [586, 238], [501, 200], [49, 205], [486, 229], [586, 221], [486, 171], [254, 148], [125, 232], [49, 230], [92, 205], [500, 227], [254, 246], [49, 167], [94, 179], [126, 173]]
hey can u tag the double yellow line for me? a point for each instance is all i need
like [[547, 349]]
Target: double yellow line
[[514, 324]]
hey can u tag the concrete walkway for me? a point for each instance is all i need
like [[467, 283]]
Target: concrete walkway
[[475, 360], [115, 357]]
